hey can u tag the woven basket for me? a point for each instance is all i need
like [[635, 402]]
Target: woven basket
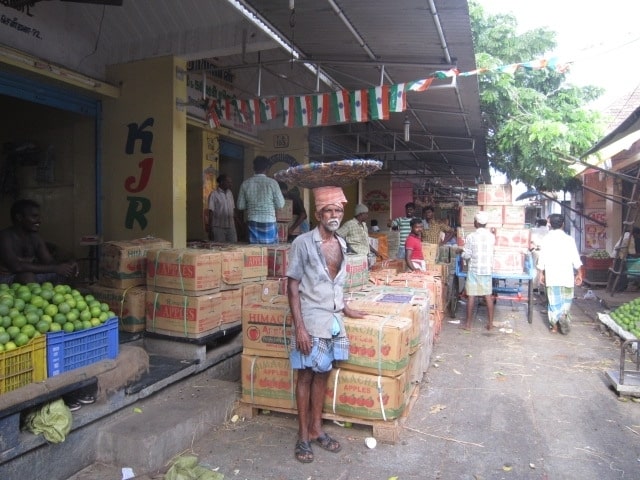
[[337, 174]]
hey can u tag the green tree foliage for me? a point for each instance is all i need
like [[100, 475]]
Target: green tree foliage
[[535, 120]]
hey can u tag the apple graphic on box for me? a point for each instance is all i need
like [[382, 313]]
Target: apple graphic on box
[[253, 334]]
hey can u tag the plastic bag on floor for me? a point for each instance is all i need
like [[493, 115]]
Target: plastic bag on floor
[[53, 421], [187, 468]]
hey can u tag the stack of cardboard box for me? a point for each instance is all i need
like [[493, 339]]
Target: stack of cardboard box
[[284, 217], [123, 277], [506, 221], [376, 381]]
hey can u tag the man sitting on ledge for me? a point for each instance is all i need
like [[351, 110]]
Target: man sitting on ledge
[[24, 256]]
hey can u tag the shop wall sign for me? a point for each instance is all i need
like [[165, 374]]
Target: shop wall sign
[[139, 136]]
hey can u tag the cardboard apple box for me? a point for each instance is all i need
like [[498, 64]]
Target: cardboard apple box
[[266, 329], [232, 264], [231, 306], [430, 252], [513, 237], [267, 381], [183, 315], [400, 305], [513, 215], [357, 270], [257, 292], [508, 261], [383, 243], [361, 395], [378, 344], [123, 264], [285, 214], [188, 271], [468, 213], [127, 303], [494, 194], [495, 216], [283, 231], [278, 260], [255, 262]]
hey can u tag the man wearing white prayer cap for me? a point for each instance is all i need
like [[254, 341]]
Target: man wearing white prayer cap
[[317, 274], [478, 251]]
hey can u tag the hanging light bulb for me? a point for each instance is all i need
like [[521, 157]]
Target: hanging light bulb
[[407, 127]]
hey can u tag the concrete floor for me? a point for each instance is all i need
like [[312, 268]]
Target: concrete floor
[[521, 405]]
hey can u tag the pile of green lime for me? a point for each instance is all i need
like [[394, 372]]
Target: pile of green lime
[[28, 311], [627, 316]]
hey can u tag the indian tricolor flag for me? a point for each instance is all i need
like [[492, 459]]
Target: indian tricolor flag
[[320, 109], [340, 105], [397, 98], [303, 110], [289, 111], [254, 110], [212, 114], [359, 106], [268, 108], [379, 103], [227, 109], [420, 85]]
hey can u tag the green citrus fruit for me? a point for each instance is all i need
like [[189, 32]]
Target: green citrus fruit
[[10, 345], [68, 327], [43, 326], [21, 340], [55, 327]]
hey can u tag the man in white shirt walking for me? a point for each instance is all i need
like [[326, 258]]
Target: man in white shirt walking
[[560, 270]]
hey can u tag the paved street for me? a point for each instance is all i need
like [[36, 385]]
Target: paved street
[[521, 405]]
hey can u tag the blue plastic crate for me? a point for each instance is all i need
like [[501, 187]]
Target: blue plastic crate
[[68, 351]]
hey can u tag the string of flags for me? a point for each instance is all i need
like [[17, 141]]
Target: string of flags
[[343, 106]]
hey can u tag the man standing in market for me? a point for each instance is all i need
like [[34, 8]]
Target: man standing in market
[[260, 196], [560, 269], [356, 234], [222, 226], [317, 273], [433, 229], [402, 225], [478, 250]]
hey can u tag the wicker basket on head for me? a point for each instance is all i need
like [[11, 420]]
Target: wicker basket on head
[[338, 174]]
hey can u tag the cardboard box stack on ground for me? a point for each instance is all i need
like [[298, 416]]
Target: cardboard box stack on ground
[[375, 383], [127, 303], [197, 292], [184, 316], [123, 264]]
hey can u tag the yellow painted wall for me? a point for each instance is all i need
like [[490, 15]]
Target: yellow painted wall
[[145, 149], [202, 171]]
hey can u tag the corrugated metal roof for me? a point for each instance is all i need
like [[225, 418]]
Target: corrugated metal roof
[[358, 43]]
